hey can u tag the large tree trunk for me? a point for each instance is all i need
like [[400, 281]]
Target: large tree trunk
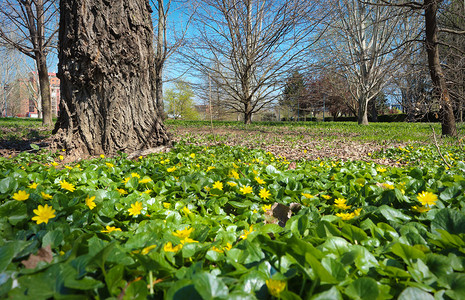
[[362, 111], [44, 87], [435, 69], [160, 56], [106, 71]]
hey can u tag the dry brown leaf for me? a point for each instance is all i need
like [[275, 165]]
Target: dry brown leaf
[[44, 254]]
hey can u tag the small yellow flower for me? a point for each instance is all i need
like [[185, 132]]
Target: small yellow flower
[[102, 156], [183, 233], [145, 180], [32, 186], [427, 198], [247, 232], [122, 191], [305, 151], [207, 188], [266, 207], [125, 180], [43, 214], [388, 186], [135, 209], [264, 194], [210, 168], [67, 186], [256, 173], [68, 167], [172, 169], [357, 211], [341, 203], [193, 155], [275, 287], [227, 247], [146, 192], [218, 185], [135, 175], [421, 209], [186, 210], [147, 249], [245, 190], [381, 170], [327, 197], [54, 163], [166, 205], [61, 157], [307, 195], [187, 240], [217, 249], [110, 229], [259, 180], [233, 174], [90, 202], [46, 196], [20, 195], [168, 247], [346, 216], [231, 184], [110, 165]]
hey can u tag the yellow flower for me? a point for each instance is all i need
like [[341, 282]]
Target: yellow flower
[[168, 247], [145, 180], [264, 193], [21, 195], [61, 157], [183, 233], [421, 209], [227, 247], [327, 197], [233, 174], [68, 167], [193, 155], [67, 186], [135, 209], [147, 249], [305, 151], [110, 165], [256, 173], [43, 214], [357, 211], [135, 175], [218, 185], [380, 169], [172, 169], [210, 168], [166, 205], [259, 180], [90, 202], [186, 210], [207, 188], [122, 191], [427, 198], [275, 287], [110, 229], [54, 163], [217, 249], [32, 186], [307, 195], [46, 196], [146, 192], [245, 190], [235, 166], [125, 180], [187, 240], [388, 186], [231, 184], [102, 156], [266, 207], [341, 203], [346, 216], [247, 232]]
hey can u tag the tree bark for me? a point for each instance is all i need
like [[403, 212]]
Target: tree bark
[[362, 112], [44, 86], [107, 76], [437, 76], [160, 56]]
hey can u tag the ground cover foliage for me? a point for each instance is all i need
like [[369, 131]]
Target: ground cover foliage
[[203, 222]]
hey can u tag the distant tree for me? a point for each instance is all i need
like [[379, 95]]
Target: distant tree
[[180, 102], [31, 26], [294, 95], [106, 71]]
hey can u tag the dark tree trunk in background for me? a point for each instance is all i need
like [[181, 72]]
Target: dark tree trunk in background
[[435, 69], [107, 76]]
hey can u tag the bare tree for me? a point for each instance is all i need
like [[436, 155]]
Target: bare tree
[[364, 46], [8, 74], [31, 26], [248, 46], [107, 72]]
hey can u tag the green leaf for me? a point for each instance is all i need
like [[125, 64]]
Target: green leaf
[[331, 294], [406, 252], [7, 253], [15, 211], [8, 185], [183, 289], [353, 234], [321, 273], [450, 220], [392, 214], [209, 286], [414, 293], [136, 290], [363, 288], [34, 146], [457, 285], [114, 280], [52, 238]]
